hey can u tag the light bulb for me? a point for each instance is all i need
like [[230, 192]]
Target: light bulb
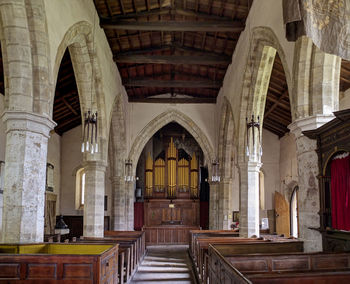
[[82, 147], [92, 148], [261, 151], [87, 146], [247, 151], [96, 148]]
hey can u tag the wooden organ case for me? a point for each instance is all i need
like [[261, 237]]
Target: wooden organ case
[[332, 138], [171, 207]]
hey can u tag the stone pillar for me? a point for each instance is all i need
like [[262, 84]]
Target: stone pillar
[[94, 198], [213, 205], [225, 204], [309, 193], [249, 199], [25, 176], [129, 202], [119, 222]]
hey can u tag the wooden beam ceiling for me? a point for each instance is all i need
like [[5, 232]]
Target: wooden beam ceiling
[[175, 26], [174, 100], [171, 83], [174, 59]]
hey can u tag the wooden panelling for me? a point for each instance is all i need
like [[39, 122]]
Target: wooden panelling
[[88, 263], [172, 234]]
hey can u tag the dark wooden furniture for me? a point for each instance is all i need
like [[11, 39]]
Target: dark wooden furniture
[[298, 268], [194, 234], [169, 221], [59, 263], [332, 138], [168, 234], [131, 250], [240, 246]]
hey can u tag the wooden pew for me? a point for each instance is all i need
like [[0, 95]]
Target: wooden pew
[[242, 246], [194, 234], [138, 234], [59, 263], [131, 248], [298, 268]]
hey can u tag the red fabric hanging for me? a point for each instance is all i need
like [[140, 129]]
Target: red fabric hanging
[[340, 193], [138, 216], [204, 214]]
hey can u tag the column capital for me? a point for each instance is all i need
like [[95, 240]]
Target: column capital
[[28, 121], [309, 123]]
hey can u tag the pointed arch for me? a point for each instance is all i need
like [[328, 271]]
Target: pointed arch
[[263, 47], [163, 119], [79, 40]]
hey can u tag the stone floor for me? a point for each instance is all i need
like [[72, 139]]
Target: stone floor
[[165, 264]]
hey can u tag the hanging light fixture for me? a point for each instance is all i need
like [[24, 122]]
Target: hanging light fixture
[[215, 168], [90, 138], [128, 171], [90, 143], [251, 125]]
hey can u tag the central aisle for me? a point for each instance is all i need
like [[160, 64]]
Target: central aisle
[[165, 264]]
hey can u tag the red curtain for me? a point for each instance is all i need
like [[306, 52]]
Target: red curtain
[[340, 193], [138, 216]]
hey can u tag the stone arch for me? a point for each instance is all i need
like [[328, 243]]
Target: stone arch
[[163, 119], [117, 154], [263, 47], [226, 159], [82, 48], [14, 35]]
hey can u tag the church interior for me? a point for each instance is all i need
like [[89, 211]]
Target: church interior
[[209, 138]]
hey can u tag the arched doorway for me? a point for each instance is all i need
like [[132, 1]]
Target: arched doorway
[[170, 192]]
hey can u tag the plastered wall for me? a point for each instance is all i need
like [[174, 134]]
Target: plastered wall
[[141, 114], [54, 158], [271, 166]]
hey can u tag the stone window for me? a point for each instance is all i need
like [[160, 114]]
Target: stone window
[[80, 189]]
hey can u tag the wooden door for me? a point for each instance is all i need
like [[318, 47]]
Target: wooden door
[[282, 215]]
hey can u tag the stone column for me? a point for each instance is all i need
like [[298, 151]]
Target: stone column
[[249, 199], [309, 193], [213, 205], [129, 201], [95, 172], [225, 204], [25, 176], [119, 222]]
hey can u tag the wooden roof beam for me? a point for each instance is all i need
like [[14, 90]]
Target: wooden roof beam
[[176, 26], [172, 83], [174, 59], [276, 104], [174, 100]]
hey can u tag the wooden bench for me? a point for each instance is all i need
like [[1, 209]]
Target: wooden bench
[[298, 268], [194, 234], [132, 250], [242, 246], [59, 263]]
